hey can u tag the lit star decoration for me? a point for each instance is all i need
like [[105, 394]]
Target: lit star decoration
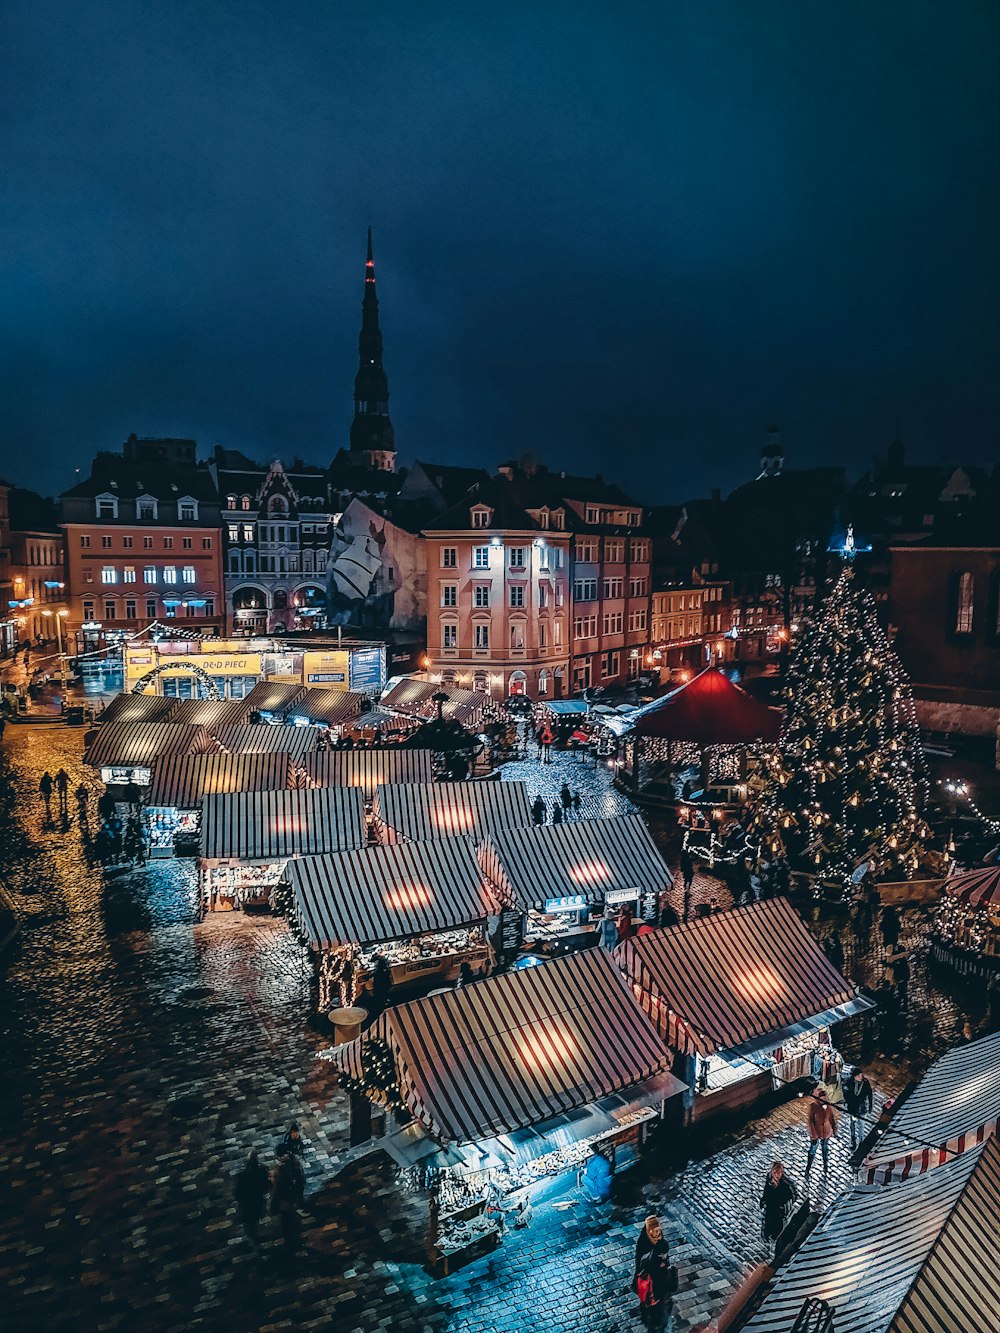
[[846, 782]]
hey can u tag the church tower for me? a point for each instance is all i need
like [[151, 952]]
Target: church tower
[[373, 441]]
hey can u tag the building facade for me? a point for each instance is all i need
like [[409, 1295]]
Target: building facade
[[37, 566], [9, 629]]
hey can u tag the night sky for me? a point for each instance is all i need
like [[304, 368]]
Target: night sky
[[623, 237]]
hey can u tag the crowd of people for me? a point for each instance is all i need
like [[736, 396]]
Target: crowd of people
[[280, 1191]]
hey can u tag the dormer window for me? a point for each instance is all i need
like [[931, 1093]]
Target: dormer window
[[244, 502], [230, 501], [482, 516], [107, 506], [277, 505], [187, 509], [145, 509], [557, 519]]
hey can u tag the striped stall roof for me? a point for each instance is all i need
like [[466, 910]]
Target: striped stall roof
[[210, 713], [516, 1049], [409, 695], [368, 768], [329, 706], [181, 781], [415, 698], [528, 866], [136, 708], [866, 1254], [273, 696], [721, 980], [389, 893], [954, 1107], [956, 1289], [977, 888], [137, 744], [271, 825], [268, 738], [416, 812]]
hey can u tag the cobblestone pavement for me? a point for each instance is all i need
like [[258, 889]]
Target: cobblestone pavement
[[142, 1054]]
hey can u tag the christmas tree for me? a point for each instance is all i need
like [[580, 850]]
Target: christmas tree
[[846, 783]]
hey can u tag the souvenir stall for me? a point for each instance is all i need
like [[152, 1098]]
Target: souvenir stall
[[248, 838], [323, 707], [416, 812], [209, 713], [179, 782], [124, 752], [259, 738], [511, 1085], [423, 906], [367, 768], [273, 699], [421, 700], [130, 707], [967, 925], [564, 876], [747, 998]]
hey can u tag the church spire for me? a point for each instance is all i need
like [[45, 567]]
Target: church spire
[[371, 429]]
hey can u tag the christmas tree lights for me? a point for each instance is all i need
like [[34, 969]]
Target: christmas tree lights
[[846, 783]]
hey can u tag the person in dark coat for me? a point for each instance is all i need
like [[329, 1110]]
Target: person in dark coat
[[776, 1202], [566, 796], [381, 984], [626, 925], [890, 927], [687, 869], [576, 803], [652, 1261], [62, 787], [557, 813], [253, 1185], [667, 915], [292, 1142], [900, 967], [538, 811], [287, 1193], [858, 1100], [45, 788]]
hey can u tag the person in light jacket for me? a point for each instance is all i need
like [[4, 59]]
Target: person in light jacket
[[822, 1126]]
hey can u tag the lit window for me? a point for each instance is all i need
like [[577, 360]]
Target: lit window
[[109, 574], [169, 573], [965, 604], [244, 502], [481, 557], [128, 574], [188, 574], [449, 636], [149, 574], [482, 636], [449, 557], [233, 532]]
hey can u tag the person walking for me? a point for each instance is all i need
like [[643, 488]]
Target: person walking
[[890, 927], [381, 985], [626, 926], [687, 871], [62, 787], [576, 802], [776, 1202], [538, 811], [253, 1183], [566, 796], [607, 931], [822, 1126], [655, 1279], [557, 814], [45, 787], [293, 1142], [858, 1100], [287, 1194], [900, 968], [82, 800]]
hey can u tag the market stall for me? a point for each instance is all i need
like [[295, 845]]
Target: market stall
[[423, 906], [260, 738], [563, 876], [273, 699], [415, 812], [129, 707], [367, 768], [179, 782], [209, 713], [248, 838], [748, 996], [967, 926], [321, 707], [420, 699], [123, 752], [511, 1084]]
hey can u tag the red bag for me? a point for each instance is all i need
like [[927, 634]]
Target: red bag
[[644, 1286]]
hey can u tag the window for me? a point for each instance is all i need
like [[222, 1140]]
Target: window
[[543, 596], [543, 635], [107, 506], [106, 543], [517, 635], [209, 606], [84, 539], [130, 608], [230, 501], [149, 574], [234, 562], [636, 620], [169, 573], [109, 610], [233, 532], [481, 595], [611, 665], [482, 636], [449, 636], [614, 587], [449, 594], [517, 595], [187, 543], [637, 587], [188, 510], [449, 557], [585, 590], [517, 557], [640, 550], [244, 502], [581, 675], [557, 632], [206, 543], [586, 552], [150, 608], [584, 627], [481, 517], [188, 574], [168, 543], [613, 622], [480, 557], [109, 574], [128, 574], [964, 603], [88, 609], [248, 532], [592, 514], [281, 534], [145, 509], [614, 552], [147, 543]]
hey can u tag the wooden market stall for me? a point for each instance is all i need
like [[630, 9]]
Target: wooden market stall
[[210, 713], [320, 707], [263, 738], [420, 699], [124, 752], [415, 812], [248, 838], [128, 707], [179, 782], [423, 906], [747, 997], [273, 699], [511, 1084], [563, 876], [967, 925], [368, 768]]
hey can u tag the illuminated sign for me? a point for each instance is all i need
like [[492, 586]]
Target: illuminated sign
[[324, 677], [571, 903], [325, 668], [621, 896], [367, 670]]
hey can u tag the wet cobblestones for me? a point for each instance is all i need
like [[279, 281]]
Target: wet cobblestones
[[142, 1054]]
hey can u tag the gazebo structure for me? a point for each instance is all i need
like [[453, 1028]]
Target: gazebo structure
[[967, 928]]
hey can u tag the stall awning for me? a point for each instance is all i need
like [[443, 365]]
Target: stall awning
[[137, 744], [210, 713], [955, 1106], [415, 698], [180, 781], [331, 707], [976, 888], [273, 696], [389, 893], [769, 1041], [567, 708], [265, 738], [709, 710], [586, 859], [273, 825], [136, 708], [881, 1257], [516, 1049], [722, 980], [368, 768], [417, 812]]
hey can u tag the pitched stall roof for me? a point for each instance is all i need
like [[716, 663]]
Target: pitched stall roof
[[368, 768], [589, 857], [267, 738], [329, 706], [136, 708], [137, 744], [273, 696], [976, 888], [517, 1049], [417, 812], [710, 710], [389, 893], [182, 780], [272, 825], [721, 981], [955, 1106], [867, 1256], [210, 713], [414, 698]]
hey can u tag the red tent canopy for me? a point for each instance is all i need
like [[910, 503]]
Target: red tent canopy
[[978, 888], [710, 710]]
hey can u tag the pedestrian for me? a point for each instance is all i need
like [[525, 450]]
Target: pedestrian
[[900, 968], [465, 975], [287, 1193], [82, 799], [687, 871], [381, 985], [655, 1277], [538, 811], [607, 931], [45, 787], [858, 1102], [667, 916], [557, 813], [890, 927], [292, 1142], [62, 787], [576, 802], [546, 745], [625, 924], [566, 796], [822, 1126], [133, 795], [252, 1186], [776, 1202], [835, 951]]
